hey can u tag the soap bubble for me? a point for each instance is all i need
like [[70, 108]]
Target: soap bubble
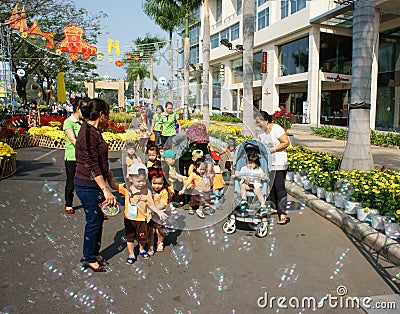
[[223, 278], [287, 276], [181, 254], [52, 269]]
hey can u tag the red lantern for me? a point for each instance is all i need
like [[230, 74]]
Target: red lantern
[[129, 56], [74, 56], [85, 56], [74, 43], [118, 63], [136, 58]]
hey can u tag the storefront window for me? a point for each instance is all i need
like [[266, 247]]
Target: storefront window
[[214, 41], [335, 53], [257, 61], [237, 71], [294, 57], [334, 107], [194, 55]]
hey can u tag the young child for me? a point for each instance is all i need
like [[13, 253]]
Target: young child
[[138, 206], [131, 158], [172, 175], [161, 151], [152, 155], [251, 176], [144, 136], [230, 152], [219, 183], [196, 154], [201, 191], [163, 194]]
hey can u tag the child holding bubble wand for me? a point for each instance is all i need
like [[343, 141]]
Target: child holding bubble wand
[[138, 207]]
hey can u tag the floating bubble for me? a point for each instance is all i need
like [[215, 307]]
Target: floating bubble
[[81, 272], [226, 242], [147, 308], [7, 310], [31, 301], [244, 244], [85, 299], [181, 254], [151, 296], [223, 278], [52, 270], [210, 235], [287, 205], [111, 310], [272, 248], [71, 291], [138, 270], [339, 264], [345, 188], [123, 290], [166, 269], [123, 239], [287, 276]]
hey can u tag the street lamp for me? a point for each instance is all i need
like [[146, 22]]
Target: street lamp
[[225, 42]]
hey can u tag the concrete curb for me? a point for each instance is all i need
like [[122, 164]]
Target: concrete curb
[[374, 239]]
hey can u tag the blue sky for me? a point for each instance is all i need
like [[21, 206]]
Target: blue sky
[[125, 22]]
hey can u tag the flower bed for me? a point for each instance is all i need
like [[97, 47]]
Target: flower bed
[[377, 138], [8, 160]]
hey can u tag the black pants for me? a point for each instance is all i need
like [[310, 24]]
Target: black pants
[[157, 135], [278, 190], [70, 167], [166, 141]]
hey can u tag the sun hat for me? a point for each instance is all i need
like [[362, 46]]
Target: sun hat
[[135, 169], [215, 155], [197, 153], [169, 153]]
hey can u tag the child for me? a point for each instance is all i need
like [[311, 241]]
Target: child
[[161, 151], [138, 206], [144, 136], [218, 183], [152, 154], [163, 194], [131, 158], [196, 154], [230, 152], [201, 191], [172, 175], [251, 176]]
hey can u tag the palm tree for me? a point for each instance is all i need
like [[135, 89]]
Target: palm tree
[[206, 64], [357, 154], [147, 45], [248, 46], [135, 73], [168, 15]]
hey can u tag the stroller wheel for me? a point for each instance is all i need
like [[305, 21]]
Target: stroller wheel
[[262, 229], [229, 226]]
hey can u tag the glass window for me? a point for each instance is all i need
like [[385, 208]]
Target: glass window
[[257, 61], [238, 5], [225, 34], [294, 57], [194, 55], [335, 53], [263, 19], [196, 13], [260, 2], [297, 5], [194, 34], [234, 31], [218, 14], [284, 8], [237, 71], [214, 41]]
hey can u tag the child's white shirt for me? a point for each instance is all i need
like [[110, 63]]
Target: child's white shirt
[[255, 180]]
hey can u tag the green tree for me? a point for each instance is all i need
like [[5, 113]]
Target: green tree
[[206, 64], [168, 15], [357, 154]]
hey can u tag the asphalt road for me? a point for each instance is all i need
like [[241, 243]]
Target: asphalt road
[[200, 271]]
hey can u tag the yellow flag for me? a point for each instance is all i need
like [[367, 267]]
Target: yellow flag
[[61, 95]]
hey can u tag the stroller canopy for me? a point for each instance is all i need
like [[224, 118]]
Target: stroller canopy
[[257, 147]]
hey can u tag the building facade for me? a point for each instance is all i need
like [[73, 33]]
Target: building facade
[[305, 50]]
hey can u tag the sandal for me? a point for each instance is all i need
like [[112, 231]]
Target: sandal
[[160, 247], [200, 213], [130, 260], [145, 255], [191, 211], [150, 251], [283, 220], [100, 269], [102, 261], [69, 210]]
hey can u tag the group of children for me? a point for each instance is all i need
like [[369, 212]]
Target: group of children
[[153, 185]]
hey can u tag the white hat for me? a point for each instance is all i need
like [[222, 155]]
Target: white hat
[[135, 169]]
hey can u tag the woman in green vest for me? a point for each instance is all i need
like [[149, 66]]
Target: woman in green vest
[[157, 124], [169, 121]]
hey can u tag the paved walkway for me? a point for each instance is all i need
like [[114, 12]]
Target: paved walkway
[[383, 156]]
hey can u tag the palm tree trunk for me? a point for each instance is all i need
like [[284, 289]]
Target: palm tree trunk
[[206, 64], [248, 46], [357, 154], [186, 52], [151, 79], [135, 90], [170, 66]]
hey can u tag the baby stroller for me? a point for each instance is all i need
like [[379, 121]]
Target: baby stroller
[[240, 160]]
